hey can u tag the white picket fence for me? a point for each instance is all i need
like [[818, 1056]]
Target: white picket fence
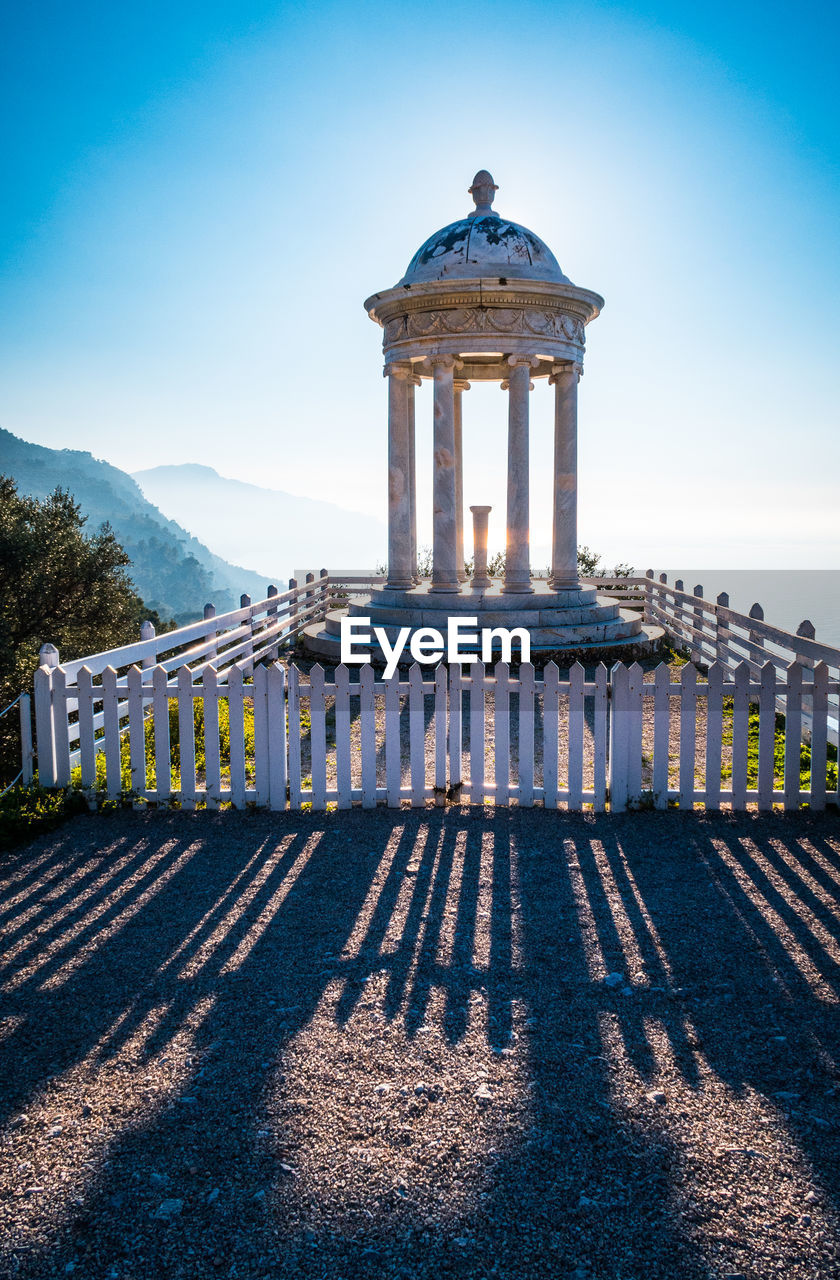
[[572, 742], [485, 736]]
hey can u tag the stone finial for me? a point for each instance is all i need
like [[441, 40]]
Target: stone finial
[[482, 191]]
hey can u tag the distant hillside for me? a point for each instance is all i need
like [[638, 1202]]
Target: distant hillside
[[173, 572], [265, 527]]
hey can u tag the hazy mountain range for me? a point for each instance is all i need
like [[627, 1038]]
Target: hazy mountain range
[[168, 518], [172, 571], [273, 531]]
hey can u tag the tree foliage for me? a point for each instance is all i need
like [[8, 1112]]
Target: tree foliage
[[57, 584]]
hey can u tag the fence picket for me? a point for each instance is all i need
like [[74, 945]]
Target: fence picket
[[477, 733], [236, 723], [393, 764], [344, 779], [318, 736], [551, 730], [661, 735], [456, 731], [819, 736], [527, 702], [87, 738], [740, 728], [501, 732], [136, 730], [618, 738], [277, 749], [111, 727], [599, 738], [714, 734], [163, 759], [416, 736], [186, 736], [440, 734], [294, 739], [688, 734], [576, 709], [60, 728], [367, 727], [212, 753], [766, 735], [44, 736], [635, 684], [261, 754], [793, 735]]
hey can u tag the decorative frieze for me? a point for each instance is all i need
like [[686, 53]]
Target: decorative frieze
[[509, 321]]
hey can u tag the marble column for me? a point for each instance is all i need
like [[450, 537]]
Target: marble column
[[518, 553], [460, 387], [444, 556], [481, 578], [564, 570], [400, 576], [413, 382]]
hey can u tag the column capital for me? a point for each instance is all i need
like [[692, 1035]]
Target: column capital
[[559, 371], [505, 385], [531, 361], [443, 361], [461, 384], [397, 369]]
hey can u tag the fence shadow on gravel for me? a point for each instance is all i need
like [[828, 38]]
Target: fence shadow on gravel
[[207, 1008]]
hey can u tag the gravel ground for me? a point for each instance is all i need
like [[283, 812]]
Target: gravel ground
[[432, 1043]]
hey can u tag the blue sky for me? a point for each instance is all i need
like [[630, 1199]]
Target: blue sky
[[200, 196]]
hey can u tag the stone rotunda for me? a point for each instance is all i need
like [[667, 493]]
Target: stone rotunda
[[484, 299]]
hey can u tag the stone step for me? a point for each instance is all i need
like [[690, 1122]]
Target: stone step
[[604, 610], [617, 625], [467, 601], [643, 643]]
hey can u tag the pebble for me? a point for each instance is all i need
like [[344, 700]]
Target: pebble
[[382, 1088], [169, 1209], [811, 1197], [657, 1096], [613, 980], [213, 1196], [54, 1130], [483, 1094]]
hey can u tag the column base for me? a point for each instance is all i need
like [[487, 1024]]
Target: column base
[[564, 582], [453, 588], [517, 588], [481, 584], [400, 584]]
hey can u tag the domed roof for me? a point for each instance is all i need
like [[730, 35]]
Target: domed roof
[[483, 244]]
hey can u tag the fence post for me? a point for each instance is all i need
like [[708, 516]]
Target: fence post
[[245, 603], [807, 631], [271, 614], [293, 608], [679, 613], [755, 637], [618, 701], [721, 629], [647, 615], [698, 623], [44, 728], [324, 584], [26, 752], [147, 632]]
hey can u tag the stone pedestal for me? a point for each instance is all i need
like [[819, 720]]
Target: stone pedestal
[[480, 579]]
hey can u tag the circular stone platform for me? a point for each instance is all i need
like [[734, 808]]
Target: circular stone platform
[[574, 625]]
